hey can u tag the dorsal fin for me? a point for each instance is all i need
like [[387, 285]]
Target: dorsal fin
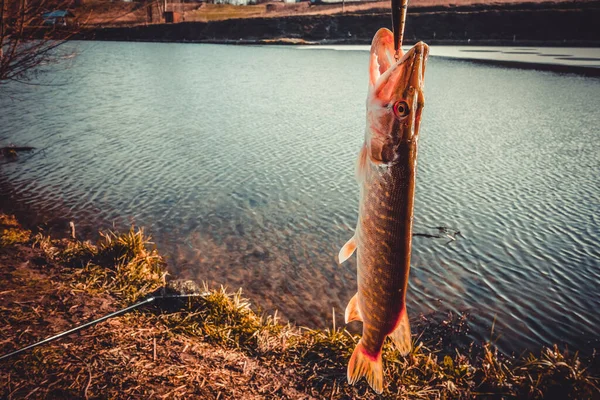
[[401, 335]]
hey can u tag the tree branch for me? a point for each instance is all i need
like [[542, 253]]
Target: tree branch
[[25, 45]]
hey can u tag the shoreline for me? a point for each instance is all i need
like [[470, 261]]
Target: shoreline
[[517, 24], [292, 41], [217, 345], [541, 25]]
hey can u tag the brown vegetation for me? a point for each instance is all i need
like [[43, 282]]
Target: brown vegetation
[[214, 345], [108, 13]]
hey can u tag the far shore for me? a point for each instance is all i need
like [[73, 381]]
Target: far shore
[[532, 24], [558, 24]]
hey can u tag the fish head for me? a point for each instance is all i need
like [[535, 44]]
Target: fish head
[[395, 99]]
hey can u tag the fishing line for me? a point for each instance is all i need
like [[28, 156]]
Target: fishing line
[[96, 321]]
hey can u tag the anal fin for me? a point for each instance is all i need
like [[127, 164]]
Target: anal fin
[[347, 250], [401, 335], [352, 311]]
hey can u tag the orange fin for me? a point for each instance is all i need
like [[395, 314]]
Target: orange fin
[[347, 250], [352, 311], [401, 335], [362, 364], [361, 164]]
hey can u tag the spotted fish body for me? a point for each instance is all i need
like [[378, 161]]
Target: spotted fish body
[[386, 172]]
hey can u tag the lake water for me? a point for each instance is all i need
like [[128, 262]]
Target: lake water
[[239, 161], [583, 58]]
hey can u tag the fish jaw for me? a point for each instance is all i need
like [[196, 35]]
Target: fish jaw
[[395, 99]]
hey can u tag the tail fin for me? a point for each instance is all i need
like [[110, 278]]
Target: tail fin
[[362, 364]]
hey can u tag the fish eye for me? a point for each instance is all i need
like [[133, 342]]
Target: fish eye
[[401, 109]]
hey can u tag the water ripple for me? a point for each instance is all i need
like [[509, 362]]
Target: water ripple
[[240, 162]]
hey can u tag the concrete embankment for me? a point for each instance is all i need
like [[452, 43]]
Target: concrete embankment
[[572, 24]]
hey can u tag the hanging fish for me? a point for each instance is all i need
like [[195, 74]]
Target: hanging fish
[[386, 169]]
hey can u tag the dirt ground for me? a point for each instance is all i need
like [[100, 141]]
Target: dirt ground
[[128, 356]]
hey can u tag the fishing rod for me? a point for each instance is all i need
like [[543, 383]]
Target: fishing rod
[[399, 8], [96, 321]]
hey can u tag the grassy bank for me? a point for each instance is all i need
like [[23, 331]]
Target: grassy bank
[[215, 345]]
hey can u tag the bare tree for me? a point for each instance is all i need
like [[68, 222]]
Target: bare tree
[[31, 31]]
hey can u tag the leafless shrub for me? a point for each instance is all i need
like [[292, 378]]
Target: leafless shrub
[[31, 32]]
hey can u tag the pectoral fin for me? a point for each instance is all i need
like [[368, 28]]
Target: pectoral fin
[[361, 163], [352, 311], [401, 335], [347, 250]]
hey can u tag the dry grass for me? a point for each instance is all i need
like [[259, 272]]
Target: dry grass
[[10, 231], [219, 12], [123, 265], [217, 346], [319, 358]]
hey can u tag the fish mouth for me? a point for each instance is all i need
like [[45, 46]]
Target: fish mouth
[[395, 99], [413, 92], [392, 78], [416, 60], [406, 77]]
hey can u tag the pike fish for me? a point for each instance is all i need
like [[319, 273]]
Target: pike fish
[[386, 170]]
